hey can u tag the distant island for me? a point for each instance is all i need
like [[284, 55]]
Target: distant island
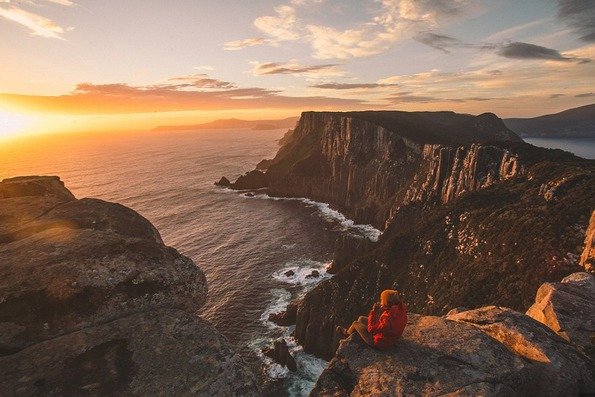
[[572, 123], [233, 123]]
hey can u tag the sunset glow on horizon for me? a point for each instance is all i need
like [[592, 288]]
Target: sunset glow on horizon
[[94, 66]]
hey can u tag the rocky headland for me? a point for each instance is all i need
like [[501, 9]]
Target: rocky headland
[[93, 303], [471, 215]]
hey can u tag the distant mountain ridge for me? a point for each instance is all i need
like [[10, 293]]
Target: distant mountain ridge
[[288, 122], [572, 123]]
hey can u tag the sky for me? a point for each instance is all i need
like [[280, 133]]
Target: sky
[[83, 65]]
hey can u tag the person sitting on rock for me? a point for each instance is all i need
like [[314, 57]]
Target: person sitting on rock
[[384, 324]]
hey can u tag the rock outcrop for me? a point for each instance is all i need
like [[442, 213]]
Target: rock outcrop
[[471, 215], [488, 352], [250, 180], [92, 301], [588, 255], [281, 355], [568, 308]]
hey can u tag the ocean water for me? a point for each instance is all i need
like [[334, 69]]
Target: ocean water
[[243, 244], [582, 147]]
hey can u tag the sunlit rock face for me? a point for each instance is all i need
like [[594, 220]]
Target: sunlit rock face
[[568, 308], [489, 351], [461, 201], [588, 255], [92, 300]]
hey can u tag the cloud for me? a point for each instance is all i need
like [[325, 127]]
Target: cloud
[[240, 44], [438, 41], [579, 15], [294, 68], [37, 24], [67, 3], [556, 95], [280, 27], [514, 50], [518, 50], [351, 86], [394, 21], [90, 98], [199, 81], [585, 95]]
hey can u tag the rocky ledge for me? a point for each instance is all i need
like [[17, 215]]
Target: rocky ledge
[[93, 302], [490, 351]]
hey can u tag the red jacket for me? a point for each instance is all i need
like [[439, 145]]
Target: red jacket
[[387, 328]]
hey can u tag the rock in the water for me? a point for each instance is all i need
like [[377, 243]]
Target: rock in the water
[[437, 356], [280, 354], [289, 273], [286, 317], [249, 194], [251, 180], [93, 302], [313, 274], [568, 308], [563, 370], [588, 256], [223, 182]]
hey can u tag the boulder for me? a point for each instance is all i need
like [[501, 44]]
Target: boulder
[[313, 274], [568, 308], [93, 302], [438, 356], [559, 366], [289, 273], [281, 355], [223, 182]]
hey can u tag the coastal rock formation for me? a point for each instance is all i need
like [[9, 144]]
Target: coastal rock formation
[[286, 317], [464, 205], [588, 255], [92, 301], [251, 180], [568, 308], [490, 353], [281, 355]]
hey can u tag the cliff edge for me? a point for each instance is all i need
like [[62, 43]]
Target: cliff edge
[[491, 351], [93, 302]]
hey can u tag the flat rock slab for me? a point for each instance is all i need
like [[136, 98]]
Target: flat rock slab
[[163, 352]]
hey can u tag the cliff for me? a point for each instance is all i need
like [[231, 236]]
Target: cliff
[[491, 351], [92, 302], [471, 215]]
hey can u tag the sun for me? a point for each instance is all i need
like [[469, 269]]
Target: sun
[[12, 123]]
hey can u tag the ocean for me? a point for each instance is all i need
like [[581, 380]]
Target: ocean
[[582, 147], [243, 244]]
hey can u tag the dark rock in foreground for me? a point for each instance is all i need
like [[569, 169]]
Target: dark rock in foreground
[[281, 355], [92, 301], [251, 180]]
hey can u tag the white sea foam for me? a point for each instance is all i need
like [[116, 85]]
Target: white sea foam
[[280, 300], [300, 270], [330, 215]]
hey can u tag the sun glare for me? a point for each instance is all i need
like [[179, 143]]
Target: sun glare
[[12, 124]]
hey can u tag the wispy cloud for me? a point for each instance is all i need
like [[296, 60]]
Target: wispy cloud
[[395, 20], [585, 95], [184, 94], [240, 44], [579, 16], [294, 68], [352, 86], [37, 24], [531, 51]]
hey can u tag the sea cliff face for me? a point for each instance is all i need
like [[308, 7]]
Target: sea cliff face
[[364, 168], [472, 216], [93, 302]]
